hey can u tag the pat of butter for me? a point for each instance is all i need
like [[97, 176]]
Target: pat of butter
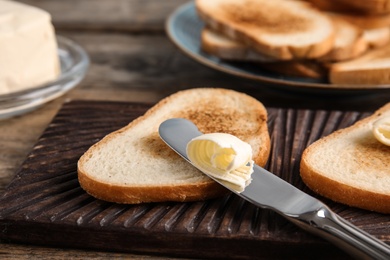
[[28, 47], [381, 130], [224, 157]]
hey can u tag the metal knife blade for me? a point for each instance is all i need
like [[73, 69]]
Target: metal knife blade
[[269, 191]]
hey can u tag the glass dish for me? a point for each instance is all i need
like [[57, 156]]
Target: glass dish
[[74, 64]]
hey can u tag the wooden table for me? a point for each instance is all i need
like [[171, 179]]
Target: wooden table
[[132, 59]]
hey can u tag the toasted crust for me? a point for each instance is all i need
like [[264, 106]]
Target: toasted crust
[[355, 153], [371, 68], [281, 29], [212, 110], [224, 48], [139, 194]]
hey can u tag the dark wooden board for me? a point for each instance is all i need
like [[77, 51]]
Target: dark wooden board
[[45, 205]]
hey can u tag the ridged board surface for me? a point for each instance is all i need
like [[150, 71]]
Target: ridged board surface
[[44, 204]]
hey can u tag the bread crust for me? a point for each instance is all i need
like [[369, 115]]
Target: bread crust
[[360, 76], [357, 72], [199, 190], [342, 193], [142, 194], [227, 49], [356, 196]]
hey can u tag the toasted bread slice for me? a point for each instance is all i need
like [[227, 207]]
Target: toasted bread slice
[[350, 166], [349, 42], [371, 68], [133, 165], [221, 46], [284, 29]]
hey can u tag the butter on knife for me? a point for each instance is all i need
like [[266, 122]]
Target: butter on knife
[[223, 156]]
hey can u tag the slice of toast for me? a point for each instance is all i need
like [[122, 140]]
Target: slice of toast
[[284, 29], [219, 45], [224, 48], [133, 165], [351, 166], [349, 42], [372, 67]]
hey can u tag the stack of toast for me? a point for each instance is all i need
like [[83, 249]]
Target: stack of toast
[[342, 41]]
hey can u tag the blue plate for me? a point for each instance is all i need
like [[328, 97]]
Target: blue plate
[[184, 29]]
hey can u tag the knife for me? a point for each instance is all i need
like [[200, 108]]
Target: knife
[[269, 191]]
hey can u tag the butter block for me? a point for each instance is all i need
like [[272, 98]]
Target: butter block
[[28, 47]]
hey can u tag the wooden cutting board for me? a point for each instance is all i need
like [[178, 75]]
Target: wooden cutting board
[[45, 205]]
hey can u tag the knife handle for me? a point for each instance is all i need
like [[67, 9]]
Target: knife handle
[[327, 224]]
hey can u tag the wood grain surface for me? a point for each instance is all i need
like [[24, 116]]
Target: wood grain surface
[[132, 59], [46, 199]]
